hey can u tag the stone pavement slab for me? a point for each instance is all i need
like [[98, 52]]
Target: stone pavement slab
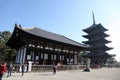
[[94, 74]]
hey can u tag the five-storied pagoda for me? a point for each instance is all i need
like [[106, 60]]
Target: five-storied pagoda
[[97, 43]]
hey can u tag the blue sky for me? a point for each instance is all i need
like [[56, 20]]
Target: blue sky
[[65, 17]]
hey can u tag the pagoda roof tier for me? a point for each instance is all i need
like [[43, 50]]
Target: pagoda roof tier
[[94, 27], [102, 40], [99, 33], [99, 54], [96, 40], [100, 47], [36, 33]]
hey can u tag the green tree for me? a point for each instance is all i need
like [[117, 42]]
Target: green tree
[[80, 56], [6, 53]]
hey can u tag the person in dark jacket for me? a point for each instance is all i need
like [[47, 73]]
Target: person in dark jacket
[[9, 69], [54, 69], [22, 69]]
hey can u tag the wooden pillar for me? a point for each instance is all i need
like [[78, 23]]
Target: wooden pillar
[[53, 61], [58, 57], [25, 60], [20, 60], [65, 58], [39, 57], [18, 56], [43, 62], [73, 58], [49, 58], [77, 57], [62, 56], [40, 54], [24, 54], [69, 55]]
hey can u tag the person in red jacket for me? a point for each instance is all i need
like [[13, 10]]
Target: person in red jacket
[[4, 68], [1, 71]]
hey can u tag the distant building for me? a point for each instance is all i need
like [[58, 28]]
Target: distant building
[[43, 47], [97, 43]]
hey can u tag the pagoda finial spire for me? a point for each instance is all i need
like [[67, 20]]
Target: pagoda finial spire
[[93, 17]]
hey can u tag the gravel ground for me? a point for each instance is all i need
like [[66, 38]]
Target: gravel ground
[[94, 74]]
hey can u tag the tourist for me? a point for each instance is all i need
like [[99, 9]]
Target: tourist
[[4, 68], [9, 69], [22, 69], [1, 71], [54, 69]]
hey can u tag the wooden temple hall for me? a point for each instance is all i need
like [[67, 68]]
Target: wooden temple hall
[[43, 47]]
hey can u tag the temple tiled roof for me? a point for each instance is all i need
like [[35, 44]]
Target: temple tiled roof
[[39, 33], [52, 36]]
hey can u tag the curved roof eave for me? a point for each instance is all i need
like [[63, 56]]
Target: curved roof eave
[[94, 26], [49, 35]]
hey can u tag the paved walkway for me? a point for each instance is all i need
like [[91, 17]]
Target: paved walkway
[[94, 74]]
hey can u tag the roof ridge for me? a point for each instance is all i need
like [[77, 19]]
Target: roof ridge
[[28, 28], [47, 31]]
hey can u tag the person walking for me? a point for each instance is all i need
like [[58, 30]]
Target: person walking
[[1, 71], [23, 68], [4, 69], [54, 69], [9, 69]]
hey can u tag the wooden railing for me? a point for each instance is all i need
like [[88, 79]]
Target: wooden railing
[[47, 68], [44, 68]]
